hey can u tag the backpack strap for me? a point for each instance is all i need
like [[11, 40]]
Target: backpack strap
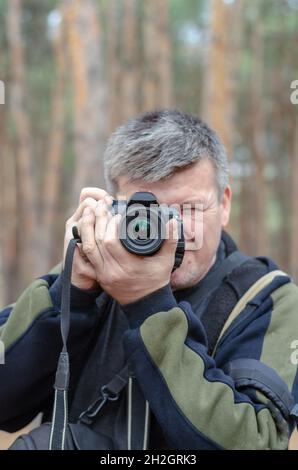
[[234, 260], [138, 412], [108, 392], [219, 291], [259, 285]]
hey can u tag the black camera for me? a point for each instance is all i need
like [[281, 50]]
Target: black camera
[[143, 225]]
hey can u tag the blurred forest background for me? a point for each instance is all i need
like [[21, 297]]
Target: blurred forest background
[[75, 69]]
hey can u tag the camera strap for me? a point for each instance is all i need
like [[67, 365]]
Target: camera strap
[[60, 410]]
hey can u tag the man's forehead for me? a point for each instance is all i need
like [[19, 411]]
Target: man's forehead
[[167, 194], [193, 184]]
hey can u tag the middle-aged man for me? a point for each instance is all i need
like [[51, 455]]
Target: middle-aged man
[[236, 392]]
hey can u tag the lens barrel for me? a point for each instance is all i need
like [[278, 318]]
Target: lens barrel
[[143, 225]]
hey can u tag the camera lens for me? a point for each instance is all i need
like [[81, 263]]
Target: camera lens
[[141, 227], [140, 231]]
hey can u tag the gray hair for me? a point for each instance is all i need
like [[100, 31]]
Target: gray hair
[[152, 146]]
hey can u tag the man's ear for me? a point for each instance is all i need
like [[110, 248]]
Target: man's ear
[[225, 206]]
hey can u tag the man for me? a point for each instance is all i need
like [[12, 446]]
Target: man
[[166, 325]]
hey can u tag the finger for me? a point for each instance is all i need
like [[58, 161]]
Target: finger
[[102, 217], [87, 233], [82, 254], [88, 202], [95, 193], [82, 265], [111, 240]]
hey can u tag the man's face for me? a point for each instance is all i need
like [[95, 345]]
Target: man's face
[[194, 184]]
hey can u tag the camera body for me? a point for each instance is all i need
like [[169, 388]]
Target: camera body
[[143, 225]]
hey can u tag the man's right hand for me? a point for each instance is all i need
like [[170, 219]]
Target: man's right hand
[[83, 274]]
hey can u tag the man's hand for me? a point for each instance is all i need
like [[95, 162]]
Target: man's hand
[[83, 273], [124, 276]]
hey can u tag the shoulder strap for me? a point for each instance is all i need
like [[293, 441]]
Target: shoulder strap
[[260, 284], [138, 412], [235, 259], [219, 291], [108, 392]]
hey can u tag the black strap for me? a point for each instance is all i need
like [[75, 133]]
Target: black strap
[[60, 411], [138, 412], [235, 259], [108, 392], [180, 249], [207, 292]]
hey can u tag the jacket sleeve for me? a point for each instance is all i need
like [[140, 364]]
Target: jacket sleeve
[[30, 336], [197, 404]]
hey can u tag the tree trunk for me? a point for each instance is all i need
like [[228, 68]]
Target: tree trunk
[[219, 99], [220, 91], [258, 134], [54, 160], [26, 193], [89, 88], [130, 83], [113, 60], [157, 80], [247, 228]]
